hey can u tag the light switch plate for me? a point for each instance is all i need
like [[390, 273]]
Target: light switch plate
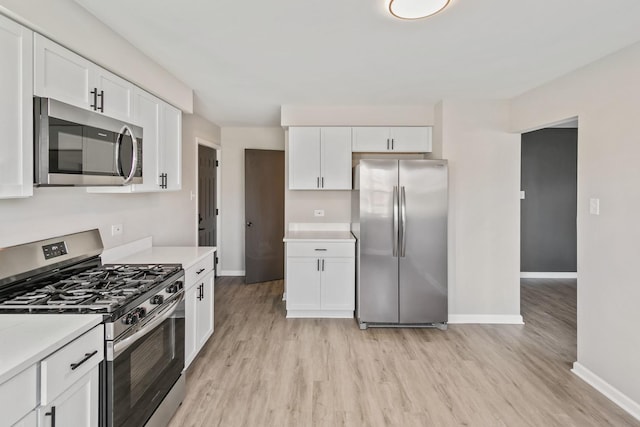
[[318, 212], [522, 195], [594, 206]]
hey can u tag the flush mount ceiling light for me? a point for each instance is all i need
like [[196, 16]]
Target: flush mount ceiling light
[[416, 9]]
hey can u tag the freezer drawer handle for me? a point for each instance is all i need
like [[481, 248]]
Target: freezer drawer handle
[[320, 250]]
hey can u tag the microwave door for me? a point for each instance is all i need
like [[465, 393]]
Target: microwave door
[[98, 154], [65, 148]]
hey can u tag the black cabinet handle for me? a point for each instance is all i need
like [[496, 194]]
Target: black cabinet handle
[[322, 179], [318, 265], [94, 92], [387, 143], [200, 271], [323, 265], [52, 414], [87, 356], [101, 107], [320, 250], [392, 144]]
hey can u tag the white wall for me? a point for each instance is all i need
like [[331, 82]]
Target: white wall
[[484, 211], [606, 98], [169, 217], [234, 141], [67, 23]]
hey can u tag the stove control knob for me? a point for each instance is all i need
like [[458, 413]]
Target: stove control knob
[[157, 299], [141, 312], [174, 287], [131, 318]]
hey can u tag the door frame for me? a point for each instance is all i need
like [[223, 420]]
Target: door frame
[[218, 148]]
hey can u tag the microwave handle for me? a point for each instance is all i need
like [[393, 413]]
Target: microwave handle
[[134, 157]]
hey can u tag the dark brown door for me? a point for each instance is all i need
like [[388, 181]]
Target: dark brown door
[[207, 208], [264, 215]]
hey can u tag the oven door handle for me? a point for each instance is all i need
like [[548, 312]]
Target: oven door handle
[[124, 344]]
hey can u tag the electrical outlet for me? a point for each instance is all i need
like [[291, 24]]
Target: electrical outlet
[[318, 212], [116, 229], [522, 195]]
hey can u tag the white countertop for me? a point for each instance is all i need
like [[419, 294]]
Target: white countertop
[[185, 255], [28, 338], [314, 236]]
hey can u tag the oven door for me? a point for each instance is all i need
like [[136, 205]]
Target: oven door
[[143, 367]]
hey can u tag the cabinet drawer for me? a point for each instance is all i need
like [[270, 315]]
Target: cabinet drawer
[[69, 364], [18, 396], [320, 249], [198, 271]]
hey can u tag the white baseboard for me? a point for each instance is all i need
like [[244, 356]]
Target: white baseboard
[[231, 273], [550, 275], [496, 319], [615, 395]]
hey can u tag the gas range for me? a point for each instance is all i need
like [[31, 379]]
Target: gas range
[[90, 288], [143, 317]]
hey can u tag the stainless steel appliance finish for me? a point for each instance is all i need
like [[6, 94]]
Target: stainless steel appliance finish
[[76, 147], [400, 222], [143, 316]]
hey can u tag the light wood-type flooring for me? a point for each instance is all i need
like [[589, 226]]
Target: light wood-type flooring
[[260, 369]]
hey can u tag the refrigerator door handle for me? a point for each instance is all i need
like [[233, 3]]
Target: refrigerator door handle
[[395, 221], [403, 222]]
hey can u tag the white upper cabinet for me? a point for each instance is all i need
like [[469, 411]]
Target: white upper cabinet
[[319, 158], [170, 153], [114, 95], [16, 110], [409, 139], [63, 75]]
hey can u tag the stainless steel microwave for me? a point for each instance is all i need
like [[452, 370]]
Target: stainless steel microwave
[[76, 147]]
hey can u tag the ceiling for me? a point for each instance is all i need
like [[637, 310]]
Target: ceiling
[[244, 59]]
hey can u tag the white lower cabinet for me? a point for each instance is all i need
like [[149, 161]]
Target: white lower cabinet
[[320, 279], [75, 407], [68, 385], [199, 310]]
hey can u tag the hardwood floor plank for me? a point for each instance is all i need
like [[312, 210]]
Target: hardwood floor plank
[[261, 369]]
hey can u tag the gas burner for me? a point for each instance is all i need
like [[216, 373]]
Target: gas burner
[[102, 288]]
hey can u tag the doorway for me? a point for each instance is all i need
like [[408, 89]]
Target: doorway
[[208, 193], [548, 234], [264, 215]]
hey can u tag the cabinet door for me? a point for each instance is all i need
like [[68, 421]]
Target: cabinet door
[[411, 139], [146, 109], [117, 95], [335, 158], [371, 139], [205, 310], [303, 284], [190, 325], [338, 284], [75, 407], [16, 111], [30, 420], [61, 74], [304, 158], [171, 146]]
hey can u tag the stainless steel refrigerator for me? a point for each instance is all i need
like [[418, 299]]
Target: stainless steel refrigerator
[[399, 217]]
